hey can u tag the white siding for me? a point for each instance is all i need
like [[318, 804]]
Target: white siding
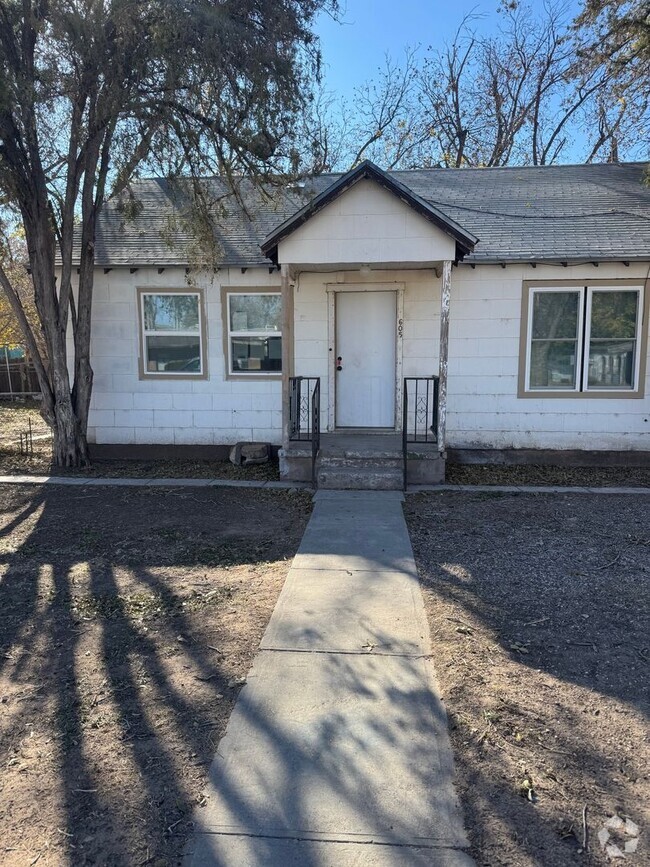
[[366, 224], [126, 409], [484, 410]]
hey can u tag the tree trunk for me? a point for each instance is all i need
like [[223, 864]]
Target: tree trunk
[[63, 409], [69, 448]]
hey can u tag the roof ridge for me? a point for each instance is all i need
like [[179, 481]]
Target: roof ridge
[[451, 169], [632, 163]]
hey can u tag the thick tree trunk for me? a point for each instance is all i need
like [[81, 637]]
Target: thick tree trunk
[[70, 447], [70, 414], [65, 407]]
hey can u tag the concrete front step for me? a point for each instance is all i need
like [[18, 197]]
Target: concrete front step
[[371, 461], [352, 454], [360, 478]]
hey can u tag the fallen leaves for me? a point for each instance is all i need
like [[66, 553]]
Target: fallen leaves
[[530, 693], [519, 647]]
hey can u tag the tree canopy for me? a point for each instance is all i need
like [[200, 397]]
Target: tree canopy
[[91, 91], [618, 33], [539, 89]]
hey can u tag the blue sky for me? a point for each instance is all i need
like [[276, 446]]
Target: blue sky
[[354, 48]]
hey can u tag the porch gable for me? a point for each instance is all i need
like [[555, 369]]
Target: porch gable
[[367, 217]]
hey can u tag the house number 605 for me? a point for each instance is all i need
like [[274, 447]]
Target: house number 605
[[400, 327]]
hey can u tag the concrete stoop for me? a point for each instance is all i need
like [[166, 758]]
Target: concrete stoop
[[359, 473], [370, 462]]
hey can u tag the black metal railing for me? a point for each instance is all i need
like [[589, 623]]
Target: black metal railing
[[419, 413], [304, 414]]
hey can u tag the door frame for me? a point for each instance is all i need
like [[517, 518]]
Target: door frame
[[332, 289]]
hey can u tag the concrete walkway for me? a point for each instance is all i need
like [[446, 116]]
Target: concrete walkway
[[336, 753], [123, 482], [77, 481]]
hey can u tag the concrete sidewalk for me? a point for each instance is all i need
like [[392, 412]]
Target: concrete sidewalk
[[336, 753], [80, 481]]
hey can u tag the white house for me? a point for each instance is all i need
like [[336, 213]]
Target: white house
[[518, 295]]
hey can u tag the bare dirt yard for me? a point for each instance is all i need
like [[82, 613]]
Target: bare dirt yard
[[530, 474], [15, 417], [540, 620], [128, 621]]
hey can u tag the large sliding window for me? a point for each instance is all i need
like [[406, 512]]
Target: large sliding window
[[583, 339]]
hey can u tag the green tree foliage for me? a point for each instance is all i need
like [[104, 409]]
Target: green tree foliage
[[617, 32], [93, 90], [614, 36]]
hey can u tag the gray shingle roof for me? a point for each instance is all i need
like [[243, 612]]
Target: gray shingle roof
[[555, 213]]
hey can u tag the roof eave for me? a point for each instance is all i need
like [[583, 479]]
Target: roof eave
[[582, 259]]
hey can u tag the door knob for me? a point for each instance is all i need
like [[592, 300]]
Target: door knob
[[339, 363]]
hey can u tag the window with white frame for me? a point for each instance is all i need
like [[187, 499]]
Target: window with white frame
[[254, 333], [583, 339], [172, 334]]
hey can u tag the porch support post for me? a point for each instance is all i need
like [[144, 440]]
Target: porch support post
[[287, 349], [445, 301]]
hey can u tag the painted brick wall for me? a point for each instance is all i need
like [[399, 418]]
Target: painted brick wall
[[126, 409], [484, 410]]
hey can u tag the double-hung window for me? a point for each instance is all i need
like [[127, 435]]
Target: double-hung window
[[254, 333], [172, 342], [583, 339]]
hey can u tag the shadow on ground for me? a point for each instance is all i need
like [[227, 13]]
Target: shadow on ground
[[538, 606], [128, 620], [129, 617]]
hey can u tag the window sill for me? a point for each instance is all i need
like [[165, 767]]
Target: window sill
[[581, 395], [254, 376], [182, 377]]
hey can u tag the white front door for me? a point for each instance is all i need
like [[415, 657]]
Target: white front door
[[365, 352]]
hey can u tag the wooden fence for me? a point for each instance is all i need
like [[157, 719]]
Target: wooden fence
[[17, 375]]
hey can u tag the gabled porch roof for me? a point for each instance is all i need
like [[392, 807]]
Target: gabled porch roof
[[464, 240]]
